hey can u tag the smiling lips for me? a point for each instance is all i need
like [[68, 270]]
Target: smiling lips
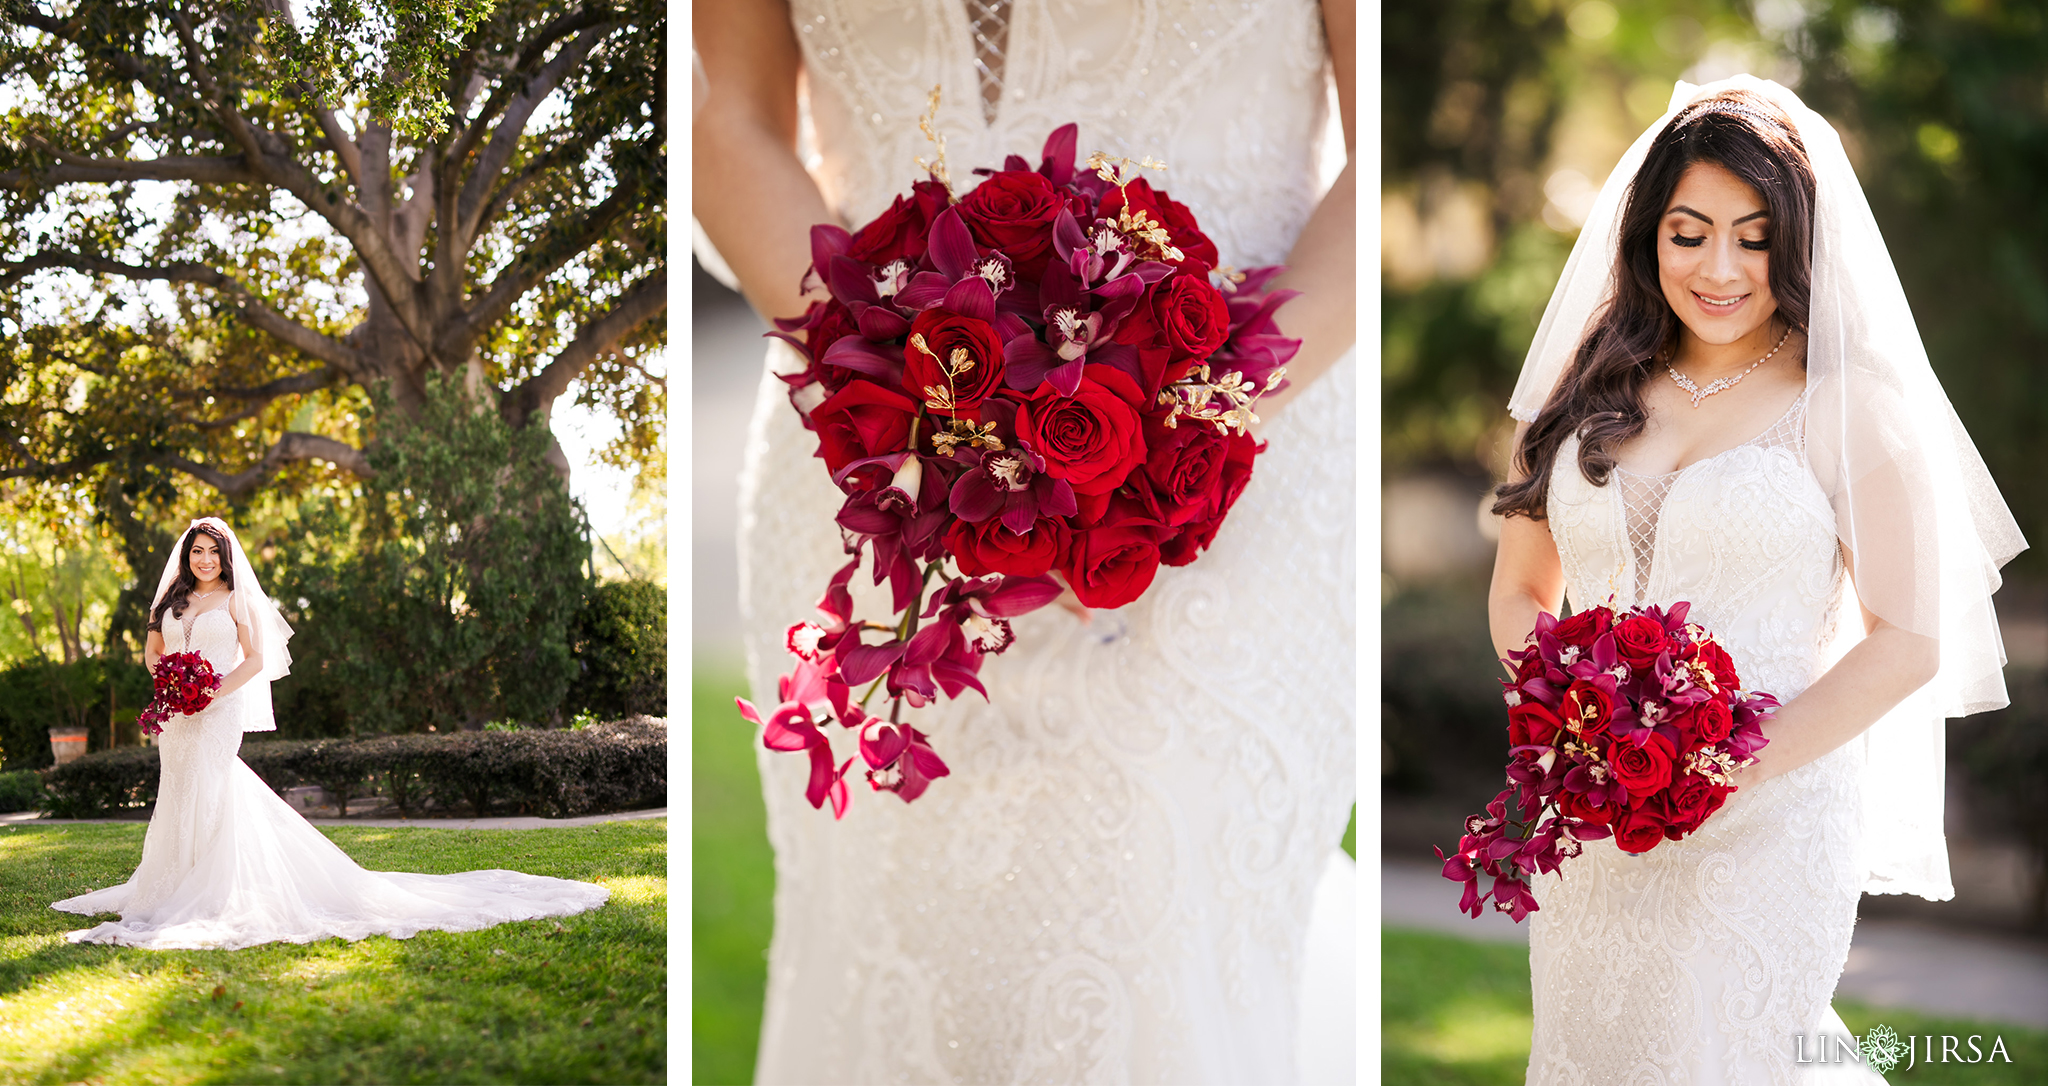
[[1722, 305]]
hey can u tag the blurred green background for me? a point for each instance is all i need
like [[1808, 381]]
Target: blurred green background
[[1501, 119]]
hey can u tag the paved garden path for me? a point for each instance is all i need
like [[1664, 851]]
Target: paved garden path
[[1892, 963]]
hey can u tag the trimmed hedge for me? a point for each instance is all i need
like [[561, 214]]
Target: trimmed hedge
[[554, 774], [22, 791]]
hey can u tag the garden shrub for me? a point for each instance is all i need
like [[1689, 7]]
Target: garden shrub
[[20, 791], [442, 592], [553, 773], [37, 695], [620, 641]]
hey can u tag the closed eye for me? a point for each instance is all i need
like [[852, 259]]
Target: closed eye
[[1684, 242], [1757, 246]]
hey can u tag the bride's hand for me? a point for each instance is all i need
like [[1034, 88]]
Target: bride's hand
[[1073, 606]]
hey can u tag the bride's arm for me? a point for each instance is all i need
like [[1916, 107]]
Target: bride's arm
[[1528, 577], [1879, 673], [748, 190], [1324, 263], [152, 650]]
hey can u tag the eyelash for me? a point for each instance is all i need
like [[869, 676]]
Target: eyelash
[[1684, 242]]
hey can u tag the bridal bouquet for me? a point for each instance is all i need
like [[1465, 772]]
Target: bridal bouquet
[[1047, 382], [185, 683], [1631, 725]]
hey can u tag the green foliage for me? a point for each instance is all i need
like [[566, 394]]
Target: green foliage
[[393, 56], [37, 695], [620, 639], [442, 593], [579, 999], [732, 882], [21, 791], [553, 774], [1456, 1011]]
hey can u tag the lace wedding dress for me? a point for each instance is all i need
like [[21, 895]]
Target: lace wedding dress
[[228, 864], [1707, 960], [1116, 882]]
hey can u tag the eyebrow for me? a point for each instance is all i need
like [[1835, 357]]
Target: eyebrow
[[1681, 208]]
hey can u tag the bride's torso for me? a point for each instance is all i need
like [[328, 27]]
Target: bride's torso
[[1747, 537], [212, 634], [1230, 95]]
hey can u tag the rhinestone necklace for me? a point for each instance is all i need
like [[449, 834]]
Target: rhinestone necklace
[[1699, 394]]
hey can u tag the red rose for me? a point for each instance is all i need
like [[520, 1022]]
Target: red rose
[[1179, 221], [1638, 640], [1013, 212], [1585, 627], [1192, 318], [988, 547], [1587, 709], [901, 232], [1092, 439], [1577, 805], [1532, 722], [1239, 451], [1718, 661], [1639, 830], [863, 419], [1113, 563], [951, 363], [1688, 803], [1185, 467], [1712, 720], [1643, 770]]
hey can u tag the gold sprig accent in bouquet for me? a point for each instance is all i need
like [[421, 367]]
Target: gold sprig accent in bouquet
[[960, 432], [1136, 225], [1196, 397], [936, 167]]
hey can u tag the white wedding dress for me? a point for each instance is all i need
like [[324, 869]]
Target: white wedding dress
[[1707, 960], [228, 864], [1116, 882]]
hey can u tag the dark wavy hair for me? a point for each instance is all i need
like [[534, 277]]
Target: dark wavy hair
[[180, 594], [1600, 395]]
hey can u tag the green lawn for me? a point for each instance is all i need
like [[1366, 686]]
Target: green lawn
[[1457, 1012], [581, 999], [733, 883]]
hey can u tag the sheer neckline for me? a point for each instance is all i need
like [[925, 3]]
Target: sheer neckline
[[192, 616], [1761, 438]]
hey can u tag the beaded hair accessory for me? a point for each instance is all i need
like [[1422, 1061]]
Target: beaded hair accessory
[[1725, 105]]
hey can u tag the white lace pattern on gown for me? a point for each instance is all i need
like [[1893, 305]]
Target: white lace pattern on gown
[[228, 864], [1702, 960], [1114, 883]]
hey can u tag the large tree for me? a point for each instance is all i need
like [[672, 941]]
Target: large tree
[[232, 255]]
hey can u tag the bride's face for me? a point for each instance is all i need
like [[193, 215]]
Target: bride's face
[[1713, 255], [204, 558]]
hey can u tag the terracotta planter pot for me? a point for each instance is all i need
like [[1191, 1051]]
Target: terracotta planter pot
[[67, 743]]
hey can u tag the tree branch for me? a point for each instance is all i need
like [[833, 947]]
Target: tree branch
[[535, 397], [306, 340], [272, 161], [292, 447], [505, 138], [563, 245]]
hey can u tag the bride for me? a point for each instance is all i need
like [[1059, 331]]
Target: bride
[[225, 862], [1727, 403], [1116, 882]]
